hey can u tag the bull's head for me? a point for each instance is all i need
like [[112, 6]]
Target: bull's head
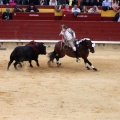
[[42, 48]]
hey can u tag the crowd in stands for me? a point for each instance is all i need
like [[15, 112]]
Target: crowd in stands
[[77, 6], [109, 3], [7, 15]]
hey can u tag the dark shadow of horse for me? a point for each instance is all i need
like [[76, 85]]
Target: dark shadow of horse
[[84, 46]]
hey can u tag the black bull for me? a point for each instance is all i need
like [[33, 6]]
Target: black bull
[[27, 53]]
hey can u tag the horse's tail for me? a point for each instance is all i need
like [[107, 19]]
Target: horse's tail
[[52, 55]]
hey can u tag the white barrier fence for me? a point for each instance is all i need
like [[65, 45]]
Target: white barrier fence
[[53, 41]]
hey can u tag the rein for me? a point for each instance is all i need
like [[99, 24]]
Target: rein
[[62, 40]]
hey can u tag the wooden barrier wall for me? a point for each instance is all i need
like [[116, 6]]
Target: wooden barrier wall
[[49, 30]]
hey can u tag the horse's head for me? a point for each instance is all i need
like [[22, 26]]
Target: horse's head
[[90, 45], [87, 43]]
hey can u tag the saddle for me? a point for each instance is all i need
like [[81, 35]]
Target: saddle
[[66, 45]]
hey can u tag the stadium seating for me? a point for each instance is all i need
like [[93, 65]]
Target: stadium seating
[[45, 25], [33, 16], [105, 15], [82, 17]]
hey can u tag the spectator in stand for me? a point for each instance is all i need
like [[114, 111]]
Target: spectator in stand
[[71, 2], [52, 2], [7, 15], [19, 2], [1, 2], [75, 10], [60, 3], [106, 5], [18, 9], [31, 8], [35, 2], [79, 2], [6, 2], [98, 2], [84, 9], [12, 2], [67, 9], [44, 2], [25, 2], [88, 2], [94, 9], [117, 16], [58, 8], [115, 5]]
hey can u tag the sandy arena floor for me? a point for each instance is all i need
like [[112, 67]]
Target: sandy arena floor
[[69, 92]]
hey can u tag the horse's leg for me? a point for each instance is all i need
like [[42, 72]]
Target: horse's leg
[[30, 63], [57, 61], [86, 64], [51, 56], [86, 61]]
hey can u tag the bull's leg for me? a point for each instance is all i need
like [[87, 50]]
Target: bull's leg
[[15, 64], [10, 62], [87, 62], [37, 62], [30, 63], [20, 64]]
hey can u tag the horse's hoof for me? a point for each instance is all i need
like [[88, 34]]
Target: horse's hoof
[[78, 60], [88, 68], [58, 64], [49, 63], [38, 65], [95, 69], [20, 66]]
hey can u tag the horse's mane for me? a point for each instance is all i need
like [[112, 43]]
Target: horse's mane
[[82, 40]]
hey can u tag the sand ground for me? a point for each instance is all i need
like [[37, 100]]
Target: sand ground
[[69, 92]]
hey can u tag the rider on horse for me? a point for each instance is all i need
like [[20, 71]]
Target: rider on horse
[[69, 37]]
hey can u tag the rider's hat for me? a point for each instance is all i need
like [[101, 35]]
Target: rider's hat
[[64, 26]]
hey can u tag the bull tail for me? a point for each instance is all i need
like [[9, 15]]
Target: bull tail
[[51, 56], [11, 60]]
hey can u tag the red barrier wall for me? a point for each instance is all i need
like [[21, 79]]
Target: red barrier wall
[[49, 30]]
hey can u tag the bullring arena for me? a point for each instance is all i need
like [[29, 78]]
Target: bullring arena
[[68, 92]]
